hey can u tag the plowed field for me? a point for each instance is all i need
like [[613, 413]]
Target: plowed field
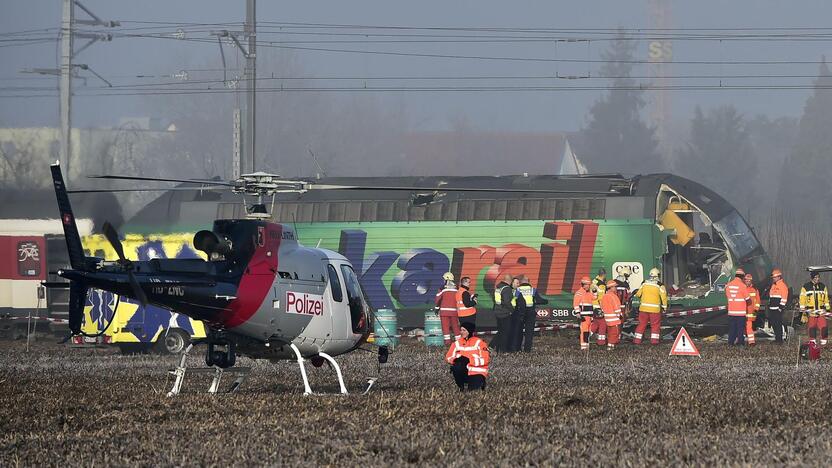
[[553, 406]]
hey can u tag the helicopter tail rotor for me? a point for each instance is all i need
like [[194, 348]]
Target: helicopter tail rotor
[[112, 237]]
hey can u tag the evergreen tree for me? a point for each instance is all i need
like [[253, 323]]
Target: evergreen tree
[[615, 138], [805, 187], [719, 155]]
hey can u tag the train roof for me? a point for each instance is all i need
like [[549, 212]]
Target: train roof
[[638, 193], [32, 204]]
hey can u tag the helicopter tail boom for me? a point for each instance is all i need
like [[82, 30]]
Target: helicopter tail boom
[[73, 239]]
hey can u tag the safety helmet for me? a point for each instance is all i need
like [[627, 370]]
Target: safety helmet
[[775, 273], [448, 276], [612, 284], [585, 280], [740, 272], [655, 273]]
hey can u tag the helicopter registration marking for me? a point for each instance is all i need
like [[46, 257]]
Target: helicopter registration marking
[[304, 303]]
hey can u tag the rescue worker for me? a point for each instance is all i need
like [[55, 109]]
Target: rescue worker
[[599, 325], [525, 314], [504, 302], [778, 296], [622, 289], [446, 305], [469, 358], [653, 298], [611, 307], [753, 308], [814, 302], [738, 300], [465, 301], [583, 306]]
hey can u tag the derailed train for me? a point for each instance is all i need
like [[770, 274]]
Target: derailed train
[[559, 229]]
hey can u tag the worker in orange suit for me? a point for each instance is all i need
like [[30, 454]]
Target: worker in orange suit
[[738, 300], [778, 297], [469, 358], [446, 306], [653, 299], [753, 308], [611, 307], [814, 303], [583, 307]]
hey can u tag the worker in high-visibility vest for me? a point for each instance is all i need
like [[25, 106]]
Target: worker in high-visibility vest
[[753, 308], [583, 306], [504, 303], [466, 303], [469, 359], [446, 306], [599, 288], [611, 307], [778, 297], [814, 305], [653, 298], [525, 314], [738, 300]]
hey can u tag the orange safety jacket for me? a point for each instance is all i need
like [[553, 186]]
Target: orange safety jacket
[[475, 350], [583, 302], [461, 308], [778, 296], [754, 305], [653, 297], [446, 302], [738, 298], [611, 306]]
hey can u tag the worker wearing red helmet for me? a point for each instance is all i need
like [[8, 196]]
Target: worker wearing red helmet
[[653, 299], [611, 307], [814, 304], [753, 308], [738, 300], [778, 296], [583, 307]]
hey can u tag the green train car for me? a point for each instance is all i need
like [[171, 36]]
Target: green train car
[[553, 229]]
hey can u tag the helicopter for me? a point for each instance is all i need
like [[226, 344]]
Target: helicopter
[[260, 292]]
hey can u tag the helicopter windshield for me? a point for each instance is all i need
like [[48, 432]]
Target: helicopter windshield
[[355, 296]]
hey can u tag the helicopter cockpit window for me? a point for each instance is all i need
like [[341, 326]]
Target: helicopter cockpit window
[[355, 297], [335, 284]]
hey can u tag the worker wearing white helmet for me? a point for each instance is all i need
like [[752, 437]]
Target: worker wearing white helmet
[[653, 299], [446, 306]]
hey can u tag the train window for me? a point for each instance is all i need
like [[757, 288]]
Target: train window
[[353, 211], [321, 212], [465, 210], [547, 209], [355, 299], [482, 210], [514, 210], [531, 209], [498, 210], [401, 210], [434, 212], [596, 208], [580, 209], [304, 213], [336, 211], [416, 213], [335, 283], [368, 211], [449, 211], [563, 209], [385, 210]]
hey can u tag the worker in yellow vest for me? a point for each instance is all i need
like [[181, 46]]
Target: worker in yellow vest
[[653, 298]]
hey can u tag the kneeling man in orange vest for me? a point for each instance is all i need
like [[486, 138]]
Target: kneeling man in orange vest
[[469, 358]]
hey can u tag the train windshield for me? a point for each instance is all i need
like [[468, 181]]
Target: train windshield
[[737, 235]]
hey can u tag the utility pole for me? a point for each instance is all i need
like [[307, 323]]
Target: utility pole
[[250, 75], [66, 83], [243, 159], [67, 69]]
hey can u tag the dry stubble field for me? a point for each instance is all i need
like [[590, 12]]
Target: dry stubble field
[[633, 406]]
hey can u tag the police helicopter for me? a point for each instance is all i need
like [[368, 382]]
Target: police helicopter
[[260, 292]]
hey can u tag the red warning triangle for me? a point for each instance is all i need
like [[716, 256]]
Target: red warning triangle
[[683, 346]]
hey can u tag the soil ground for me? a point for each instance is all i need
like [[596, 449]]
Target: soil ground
[[633, 406]]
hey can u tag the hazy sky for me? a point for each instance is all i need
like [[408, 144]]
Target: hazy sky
[[121, 60]]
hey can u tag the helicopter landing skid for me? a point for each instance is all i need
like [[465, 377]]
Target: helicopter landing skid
[[240, 374], [307, 389]]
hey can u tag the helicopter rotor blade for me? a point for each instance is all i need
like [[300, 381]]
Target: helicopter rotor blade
[[137, 288], [314, 186], [158, 179], [112, 237], [170, 189]]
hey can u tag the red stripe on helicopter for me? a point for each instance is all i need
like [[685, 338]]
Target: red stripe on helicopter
[[258, 277]]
